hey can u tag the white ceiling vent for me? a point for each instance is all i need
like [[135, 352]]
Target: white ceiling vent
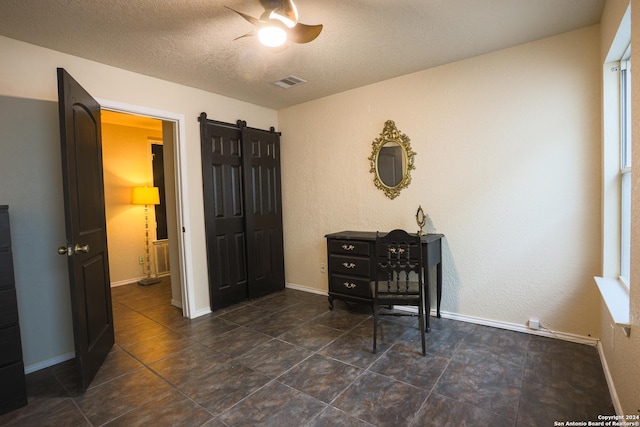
[[288, 82]]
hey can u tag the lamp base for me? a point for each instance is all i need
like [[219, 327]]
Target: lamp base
[[148, 281]]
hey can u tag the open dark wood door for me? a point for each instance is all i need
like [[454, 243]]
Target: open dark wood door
[[86, 248], [263, 200]]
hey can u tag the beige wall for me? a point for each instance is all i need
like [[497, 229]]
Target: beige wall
[[127, 163], [622, 353], [507, 167]]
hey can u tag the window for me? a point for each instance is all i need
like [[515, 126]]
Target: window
[[616, 176], [625, 166]]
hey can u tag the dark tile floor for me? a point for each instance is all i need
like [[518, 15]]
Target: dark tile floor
[[286, 360]]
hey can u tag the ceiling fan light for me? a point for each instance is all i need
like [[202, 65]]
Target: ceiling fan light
[[272, 36]]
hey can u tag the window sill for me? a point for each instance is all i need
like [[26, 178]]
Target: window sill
[[616, 297]]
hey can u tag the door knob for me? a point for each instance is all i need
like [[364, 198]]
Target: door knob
[[73, 250], [77, 249], [64, 250]]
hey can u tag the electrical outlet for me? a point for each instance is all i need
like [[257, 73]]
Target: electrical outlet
[[323, 267], [534, 323], [141, 260]]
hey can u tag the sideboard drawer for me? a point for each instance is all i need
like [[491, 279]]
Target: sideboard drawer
[[5, 235], [11, 345], [6, 269], [8, 307], [348, 285], [349, 247], [13, 393], [350, 265]]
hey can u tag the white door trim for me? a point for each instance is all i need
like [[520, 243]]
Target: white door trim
[[182, 202]]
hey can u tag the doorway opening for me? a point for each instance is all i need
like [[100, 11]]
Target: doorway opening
[[137, 133]]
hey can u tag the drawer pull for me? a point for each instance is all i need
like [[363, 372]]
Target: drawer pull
[[349, 265], [348, 247], [396, 250], [349, 285]]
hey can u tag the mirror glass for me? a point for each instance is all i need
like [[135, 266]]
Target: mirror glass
[[391, 164], [391, 160]]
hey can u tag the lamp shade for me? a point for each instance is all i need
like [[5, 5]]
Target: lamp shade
[[145, 196]]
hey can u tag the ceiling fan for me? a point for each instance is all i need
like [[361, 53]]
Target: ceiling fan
[[279, 23]]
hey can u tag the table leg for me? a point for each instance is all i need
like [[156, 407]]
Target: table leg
[[427, 308], [427, 298], [439, 287]]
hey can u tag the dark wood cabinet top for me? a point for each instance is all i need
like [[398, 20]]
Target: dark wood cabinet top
[[371, 236]]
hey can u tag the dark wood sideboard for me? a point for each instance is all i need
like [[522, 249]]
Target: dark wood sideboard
[[351, 266], [13, 391]]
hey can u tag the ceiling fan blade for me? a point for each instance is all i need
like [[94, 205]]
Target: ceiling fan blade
[[251, 19], [287, 13], [270, 5], [302, 33], [249, 34]]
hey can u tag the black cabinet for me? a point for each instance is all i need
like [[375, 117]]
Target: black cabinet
[[350, 268], [243, 211], [351, 261], [13, 392]]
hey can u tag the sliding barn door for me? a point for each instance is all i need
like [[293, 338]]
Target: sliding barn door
[[265, 253], [224, 212], [243, 217]]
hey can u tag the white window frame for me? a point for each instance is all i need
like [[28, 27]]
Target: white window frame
[[615, 176], [625, 167]]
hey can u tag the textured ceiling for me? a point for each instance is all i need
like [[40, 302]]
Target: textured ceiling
[[363, 41]]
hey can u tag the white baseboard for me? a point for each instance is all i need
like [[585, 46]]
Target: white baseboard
[[130, 281], [545, 332], [135, 280], [176, 303], [34, 367], [126, 282], [612, 388], [306, 289], [202, 312]]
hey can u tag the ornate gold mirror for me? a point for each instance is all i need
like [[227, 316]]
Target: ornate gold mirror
[[421, 219], [391, 160]]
